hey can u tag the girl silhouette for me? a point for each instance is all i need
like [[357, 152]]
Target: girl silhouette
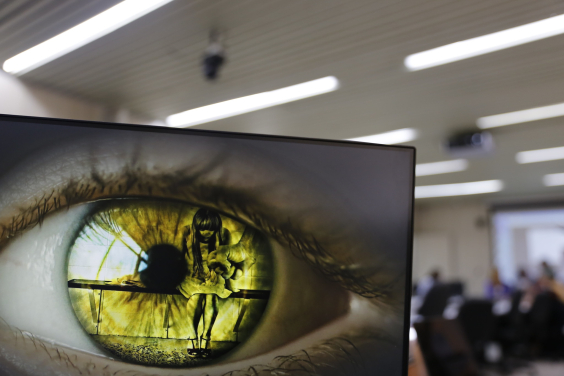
[[202, 285]]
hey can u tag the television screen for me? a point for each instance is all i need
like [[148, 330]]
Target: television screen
[[148, 250]]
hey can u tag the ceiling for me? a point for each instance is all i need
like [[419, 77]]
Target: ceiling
[[152, 67]]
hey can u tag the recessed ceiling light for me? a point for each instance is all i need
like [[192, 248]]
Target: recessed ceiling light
[[436, 168], [253, 102], [487, 43], [523, 116], [388, 138], [80, 35], [540, 155], [458, 189], [552, 180]]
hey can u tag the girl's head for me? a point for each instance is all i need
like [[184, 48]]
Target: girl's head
[[206, 228], [206, 224]]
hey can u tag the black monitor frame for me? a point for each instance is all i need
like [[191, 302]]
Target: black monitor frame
[[250, 136]]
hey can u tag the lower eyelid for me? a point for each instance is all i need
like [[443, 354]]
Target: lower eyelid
[[351, 352], [28, 353]]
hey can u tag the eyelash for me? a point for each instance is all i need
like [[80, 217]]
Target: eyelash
[[100, 188], [304, 361]]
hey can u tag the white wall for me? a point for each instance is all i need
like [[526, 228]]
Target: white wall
[[454, 237], [20, 98]]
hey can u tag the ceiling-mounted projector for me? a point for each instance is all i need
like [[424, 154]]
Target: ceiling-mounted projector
[[470, 143]]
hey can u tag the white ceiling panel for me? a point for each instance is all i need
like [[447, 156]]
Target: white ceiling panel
[[152, 67]]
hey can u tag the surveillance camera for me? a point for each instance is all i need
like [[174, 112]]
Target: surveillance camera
[[213, 60]]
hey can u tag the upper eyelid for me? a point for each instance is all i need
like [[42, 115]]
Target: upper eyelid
[[94, 186], [158, 185]]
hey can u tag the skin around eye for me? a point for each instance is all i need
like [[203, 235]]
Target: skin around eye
[[309, 214]]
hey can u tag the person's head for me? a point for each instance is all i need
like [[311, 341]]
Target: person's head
[[495, 277], [206, 224], [206, 228], [522, 273], [436, 274]]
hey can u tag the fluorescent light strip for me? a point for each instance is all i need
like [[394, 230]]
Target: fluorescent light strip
[[436, 168], [487, 43], [540, 155], [552, 180], [388, 138], [459, 189], [253, 102], [522, 116], [80, 35]]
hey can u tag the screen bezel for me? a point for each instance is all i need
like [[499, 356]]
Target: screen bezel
[[251, 136]]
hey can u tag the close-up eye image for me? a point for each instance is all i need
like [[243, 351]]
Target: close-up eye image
[[281, 188], [168, 284], [134, 250]]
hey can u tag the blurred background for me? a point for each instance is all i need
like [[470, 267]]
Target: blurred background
[[477, 87]]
